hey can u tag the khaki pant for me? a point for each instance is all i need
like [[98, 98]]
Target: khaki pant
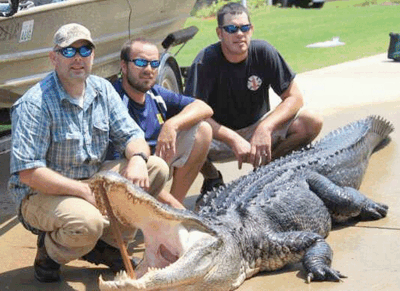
[[221, 152], [73, 225], [184, 146]]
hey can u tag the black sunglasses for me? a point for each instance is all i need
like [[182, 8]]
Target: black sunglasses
[[69, 52], [143, 63], [234, 28]]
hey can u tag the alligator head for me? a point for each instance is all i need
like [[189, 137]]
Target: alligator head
[[181, 251]]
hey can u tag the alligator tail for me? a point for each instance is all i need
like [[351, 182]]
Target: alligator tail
[[372, 131], [376, 135], [383, 128]]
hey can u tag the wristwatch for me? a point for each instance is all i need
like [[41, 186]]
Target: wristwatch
[[143, 155]]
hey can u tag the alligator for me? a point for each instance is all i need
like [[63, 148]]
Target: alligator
[[277, 215]]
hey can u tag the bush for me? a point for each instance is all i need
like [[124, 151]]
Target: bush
[[253, 4], [206, 8]]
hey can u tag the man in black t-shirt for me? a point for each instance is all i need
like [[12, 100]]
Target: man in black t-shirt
[[233, 76]]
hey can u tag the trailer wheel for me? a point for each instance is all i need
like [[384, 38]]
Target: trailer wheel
[[168, 79], [318, 5], [283, 3]]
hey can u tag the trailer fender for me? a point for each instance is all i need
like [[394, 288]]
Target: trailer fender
[[169, 74]]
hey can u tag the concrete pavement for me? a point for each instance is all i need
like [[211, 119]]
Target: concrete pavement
[[367, 252]]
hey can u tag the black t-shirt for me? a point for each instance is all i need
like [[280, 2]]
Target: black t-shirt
[[238, 92]]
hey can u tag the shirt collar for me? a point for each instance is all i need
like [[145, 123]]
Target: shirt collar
[[63, 95], [91, 91]]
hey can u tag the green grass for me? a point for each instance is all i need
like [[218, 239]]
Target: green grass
[[5, 127], [363, 25]]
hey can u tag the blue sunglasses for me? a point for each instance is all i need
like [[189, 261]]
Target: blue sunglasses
[[70, 51], [234, 28], [143, 63]]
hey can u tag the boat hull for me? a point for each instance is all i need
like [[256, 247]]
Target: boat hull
[[27, 37]]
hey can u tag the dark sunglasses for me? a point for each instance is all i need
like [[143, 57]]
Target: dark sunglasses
[[234, 28], [70, 51], [143, 63]]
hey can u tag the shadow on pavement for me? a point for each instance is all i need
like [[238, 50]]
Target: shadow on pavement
[[9, 222], [23, 278]]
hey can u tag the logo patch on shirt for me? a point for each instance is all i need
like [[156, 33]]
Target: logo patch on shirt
[[254, 82], [160, 118]]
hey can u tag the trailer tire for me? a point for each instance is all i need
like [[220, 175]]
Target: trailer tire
[[318, 5], [285, 3], [168, 79]]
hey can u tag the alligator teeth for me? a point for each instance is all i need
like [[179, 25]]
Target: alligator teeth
[[153, 269]]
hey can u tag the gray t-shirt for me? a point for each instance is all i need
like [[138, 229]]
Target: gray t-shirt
[[238, 92]]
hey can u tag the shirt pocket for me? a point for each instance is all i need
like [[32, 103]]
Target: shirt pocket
[[100, 137], [65, 150]]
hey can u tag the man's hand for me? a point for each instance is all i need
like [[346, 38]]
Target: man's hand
[[136, 172], [241, 148], [261, 147], [88, 195], [136, 168], [166, 142]]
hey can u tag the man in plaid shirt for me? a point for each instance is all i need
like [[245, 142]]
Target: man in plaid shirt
[[60, 132]]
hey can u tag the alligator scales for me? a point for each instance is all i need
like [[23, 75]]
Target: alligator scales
[[277, 215]]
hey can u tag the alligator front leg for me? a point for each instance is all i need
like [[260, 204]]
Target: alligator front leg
[[344, 202], [309, 248], [317, 262]]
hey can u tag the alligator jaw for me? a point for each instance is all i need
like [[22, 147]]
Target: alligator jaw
[[179, 247], [190, 269]]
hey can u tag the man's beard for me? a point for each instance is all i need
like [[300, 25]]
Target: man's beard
[[141, 86]]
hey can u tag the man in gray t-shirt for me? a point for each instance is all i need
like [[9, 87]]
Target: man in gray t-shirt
[[233, 76]]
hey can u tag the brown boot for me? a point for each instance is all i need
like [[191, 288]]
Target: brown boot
[[46, 270], [105, 254]]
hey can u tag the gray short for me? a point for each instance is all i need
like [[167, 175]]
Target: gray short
[[221, 152], [184, 146]]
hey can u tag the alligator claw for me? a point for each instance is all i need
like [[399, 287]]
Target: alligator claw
[[325, 274], [373, 210]]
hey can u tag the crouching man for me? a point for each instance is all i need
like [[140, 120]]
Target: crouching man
[[174, 124], [60, 134]]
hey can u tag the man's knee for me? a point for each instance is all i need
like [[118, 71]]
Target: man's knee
[[204, 132], [203, 139], [315, 124], [88, 224], [193, 146], [310, 123]]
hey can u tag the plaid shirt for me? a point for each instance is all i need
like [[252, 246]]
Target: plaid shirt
[[50, 129]]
